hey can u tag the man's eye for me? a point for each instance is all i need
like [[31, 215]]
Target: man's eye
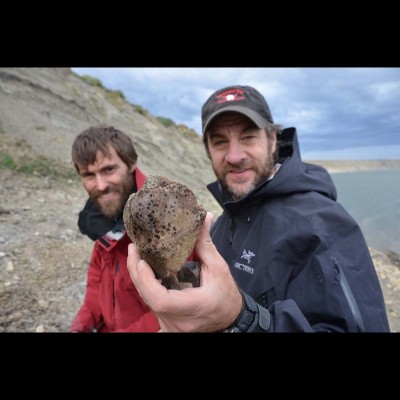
[[248, 137]]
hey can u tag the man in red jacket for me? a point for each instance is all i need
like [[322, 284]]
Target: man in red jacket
[[106, 161]]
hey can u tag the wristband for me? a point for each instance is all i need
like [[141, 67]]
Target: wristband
[[252, 318]]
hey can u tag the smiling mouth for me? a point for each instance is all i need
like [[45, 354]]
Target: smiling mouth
[[238, 173], [108, 196]]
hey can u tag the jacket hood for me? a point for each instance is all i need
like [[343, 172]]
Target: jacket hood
[[93, 223], [294, 176]]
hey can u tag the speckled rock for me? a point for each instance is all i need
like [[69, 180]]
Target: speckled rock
[[164, 220]]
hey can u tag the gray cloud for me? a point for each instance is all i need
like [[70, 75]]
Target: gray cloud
[[340, 113]]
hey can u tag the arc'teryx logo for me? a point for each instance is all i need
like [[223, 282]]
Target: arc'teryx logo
[[247, 255]]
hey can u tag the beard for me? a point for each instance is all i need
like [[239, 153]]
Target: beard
[[114, 207], [263, 173]]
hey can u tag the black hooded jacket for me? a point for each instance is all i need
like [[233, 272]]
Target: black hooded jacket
[[298, 253]]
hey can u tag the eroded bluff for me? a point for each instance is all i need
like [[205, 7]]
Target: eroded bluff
[[164, 219]]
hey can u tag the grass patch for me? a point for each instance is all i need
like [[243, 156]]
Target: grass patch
[[19, 156], [91, 81], [37, 167], [187, 132], [167, 122], [42, 167], [8, 162], [116, 97], [139, 109]]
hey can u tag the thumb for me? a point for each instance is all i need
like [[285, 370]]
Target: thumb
[[136, 266], [204, 235], [204, 247]]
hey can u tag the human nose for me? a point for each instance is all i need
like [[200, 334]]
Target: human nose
[[101, 183], [234, 154]]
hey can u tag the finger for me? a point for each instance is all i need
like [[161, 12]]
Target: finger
[[150, 289], [204, 247], [132, 261], [204, 235], [139, 270]]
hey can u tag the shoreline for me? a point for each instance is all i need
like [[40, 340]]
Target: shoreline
[[387, 267], [392, 256], [340, 166]]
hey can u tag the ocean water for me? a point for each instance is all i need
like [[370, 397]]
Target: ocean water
[[373, 199]]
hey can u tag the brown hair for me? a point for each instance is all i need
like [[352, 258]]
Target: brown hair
[[99, 138]]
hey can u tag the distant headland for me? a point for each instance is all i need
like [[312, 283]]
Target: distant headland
[[335, 166]]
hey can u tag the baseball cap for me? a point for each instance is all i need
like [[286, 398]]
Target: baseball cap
[[242, 99]]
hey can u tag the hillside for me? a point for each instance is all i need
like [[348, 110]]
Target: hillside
[[43, 257], [47, 107]]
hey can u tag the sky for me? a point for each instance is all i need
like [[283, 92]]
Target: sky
[[339, 113]]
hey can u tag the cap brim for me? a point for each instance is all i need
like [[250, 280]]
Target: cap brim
[[255, 117]]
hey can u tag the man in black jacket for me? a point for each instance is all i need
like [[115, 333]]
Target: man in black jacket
[[284, 256]]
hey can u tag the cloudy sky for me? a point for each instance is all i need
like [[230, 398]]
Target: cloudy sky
[[339, 113]]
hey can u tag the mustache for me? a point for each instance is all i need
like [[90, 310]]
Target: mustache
[[98, 193], [235, 168]]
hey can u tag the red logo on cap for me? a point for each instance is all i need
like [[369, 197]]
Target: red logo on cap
[[230, 95]]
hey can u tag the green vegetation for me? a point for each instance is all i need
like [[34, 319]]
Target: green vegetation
[[119, 93], [140, 109], [187, 132], [18, 155], [8, 162], [75, 74], [165, 121], [91, 81], [181, 128], [117, 98], [39, 167]]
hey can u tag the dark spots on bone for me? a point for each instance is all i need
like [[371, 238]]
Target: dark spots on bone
[[164, 219]]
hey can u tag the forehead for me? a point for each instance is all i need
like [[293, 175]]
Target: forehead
[[103, 159], [109, 156]]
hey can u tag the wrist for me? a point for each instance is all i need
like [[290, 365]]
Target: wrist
[[237, 319], [252, 317]]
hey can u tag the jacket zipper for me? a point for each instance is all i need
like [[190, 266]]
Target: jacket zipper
[[231, 231], [349, 295]]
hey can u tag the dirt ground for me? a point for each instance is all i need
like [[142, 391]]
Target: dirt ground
[[44, 258]]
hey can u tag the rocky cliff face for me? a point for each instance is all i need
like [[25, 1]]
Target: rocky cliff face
[[48, 107]]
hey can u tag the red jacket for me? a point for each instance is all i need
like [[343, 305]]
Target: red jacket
[[112, 302]]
